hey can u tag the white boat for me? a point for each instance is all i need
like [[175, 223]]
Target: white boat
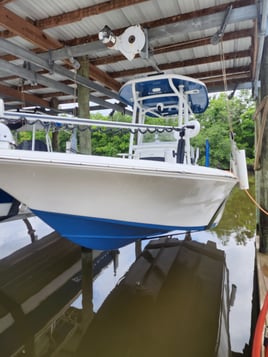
[[9, 206], [108, 202]]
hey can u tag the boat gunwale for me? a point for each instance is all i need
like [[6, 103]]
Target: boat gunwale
[[105, 163]]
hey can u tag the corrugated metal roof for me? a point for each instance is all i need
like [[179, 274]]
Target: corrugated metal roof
[[179, 34]]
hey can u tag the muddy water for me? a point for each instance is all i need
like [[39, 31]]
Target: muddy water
[[234, 235]]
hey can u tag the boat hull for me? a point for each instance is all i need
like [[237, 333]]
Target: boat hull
[[106, 203]]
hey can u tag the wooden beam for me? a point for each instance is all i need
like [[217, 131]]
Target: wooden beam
[[80, 14], [255, 45], [176, 18], [213, 75], [197, 13], [229, 77], [181, 64], [103, 77], [232, 84], [27, 30], [199, 42], [3, 2], [23, 97]]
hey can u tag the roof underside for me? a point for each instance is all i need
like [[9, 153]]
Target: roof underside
[[216, 41]]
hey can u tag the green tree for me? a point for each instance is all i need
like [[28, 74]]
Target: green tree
[[110, 142], [222, 116]]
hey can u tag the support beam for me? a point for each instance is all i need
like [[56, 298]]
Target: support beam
[[208, 18], [80, 14], [34, 77], [47, 82], [262, 173], [28, 99], [50, 66], [25, 29], [83, 107], [172, 47], [180, 64]]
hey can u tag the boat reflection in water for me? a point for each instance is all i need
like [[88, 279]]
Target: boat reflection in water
[[168, 304], [174, 299]]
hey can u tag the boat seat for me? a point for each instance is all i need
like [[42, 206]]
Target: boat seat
[[154, 158], [157, 151], [39, 145]]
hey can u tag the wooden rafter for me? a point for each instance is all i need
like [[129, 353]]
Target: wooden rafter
[[25, 29], [181, 64], [233, 72], [167, 20], [195, 14], [29, 99], [3, 2], [80, 14], [179, 46]]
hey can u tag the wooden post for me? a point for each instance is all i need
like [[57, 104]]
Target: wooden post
[[262, 173], [54, 104], [83, 98]]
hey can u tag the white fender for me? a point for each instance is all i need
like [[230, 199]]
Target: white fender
[[191, 133], [239, 166]]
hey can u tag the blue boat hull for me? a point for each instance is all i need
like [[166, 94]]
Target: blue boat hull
[[102, 234]]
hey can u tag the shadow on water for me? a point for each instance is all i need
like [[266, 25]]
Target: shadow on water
[[179, 322]]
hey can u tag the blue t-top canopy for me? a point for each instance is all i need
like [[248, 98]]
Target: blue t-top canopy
[[164, 89]]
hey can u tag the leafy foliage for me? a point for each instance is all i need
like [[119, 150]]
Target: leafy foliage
[[110, 142], [222, 116]]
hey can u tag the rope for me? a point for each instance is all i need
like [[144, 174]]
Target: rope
[[22, 93], [225, 84], [47, 126], [255, 202]]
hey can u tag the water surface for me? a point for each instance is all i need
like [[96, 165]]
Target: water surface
[[234, 235]]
